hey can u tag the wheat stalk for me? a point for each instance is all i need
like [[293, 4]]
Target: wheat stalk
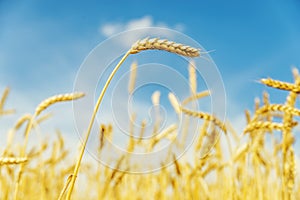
[[12, 160], [287, 134], [132, 79], [193, 77], [65, 188], [159, 44]]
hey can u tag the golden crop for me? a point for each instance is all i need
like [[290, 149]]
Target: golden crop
[[258, 165]]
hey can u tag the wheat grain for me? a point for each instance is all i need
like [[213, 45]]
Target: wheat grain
[[12, 160], [158, 44]]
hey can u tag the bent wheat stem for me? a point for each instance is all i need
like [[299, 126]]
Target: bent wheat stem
[[76, 169], [145, 44]]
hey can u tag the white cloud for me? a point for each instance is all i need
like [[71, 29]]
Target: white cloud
[[112, 28]]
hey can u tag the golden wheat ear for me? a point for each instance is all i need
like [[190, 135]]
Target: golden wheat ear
[[57, 98], [12, 160], [165, 45], [280, 85]]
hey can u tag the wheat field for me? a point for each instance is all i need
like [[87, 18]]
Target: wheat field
[[259, 165]]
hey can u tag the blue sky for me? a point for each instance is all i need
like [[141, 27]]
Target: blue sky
[[42, 45]]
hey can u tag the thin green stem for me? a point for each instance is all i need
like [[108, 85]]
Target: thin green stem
[[76, 169]]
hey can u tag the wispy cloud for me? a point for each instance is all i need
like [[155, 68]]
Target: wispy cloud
[[111, 28]]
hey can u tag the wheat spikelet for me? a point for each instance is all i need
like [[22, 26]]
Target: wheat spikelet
[[201, 115], [133, 71], [277, 107], [203, 133], [12, 160], [101, 136], [167, 133], [291, 168], [266, 98], [280, 85], [2, 102], [205, 116], [211, 140], [248, 116], [174, 103], [295, 72], [43, 118], [256, 103], [155, 98], [57, 98], [158, 44], [209, 168], [266, 101], [266, 125], [177, 166], [240, 152], [195, 97], [22, 120], [4, 97], [193, 77]]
